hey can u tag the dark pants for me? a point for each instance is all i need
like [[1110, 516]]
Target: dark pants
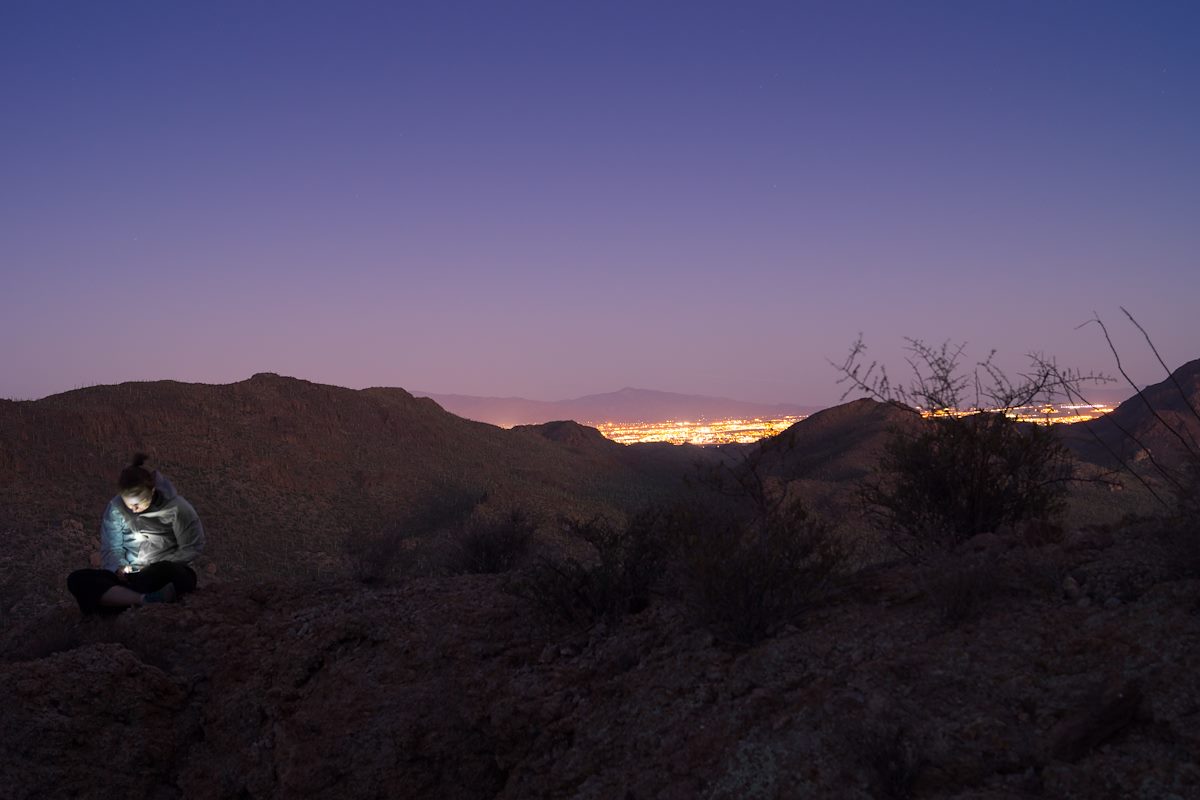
[[88, 585]]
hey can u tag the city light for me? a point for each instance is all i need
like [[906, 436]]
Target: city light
[[1044, 414], [705, 432], [727, 431]]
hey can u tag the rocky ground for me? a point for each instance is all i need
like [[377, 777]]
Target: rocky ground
[[1009, 669]]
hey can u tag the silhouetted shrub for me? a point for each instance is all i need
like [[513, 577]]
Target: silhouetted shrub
[[560, 588], [490, 547], [374, 557], [968, 468], [630, 560], [752, 556], [746, 577], [444, 507], [956, 477], [1182, 501]]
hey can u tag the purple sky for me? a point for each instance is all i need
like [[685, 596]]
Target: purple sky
[[560, 198]]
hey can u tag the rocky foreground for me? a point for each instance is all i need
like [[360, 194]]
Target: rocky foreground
[[1065, 670]]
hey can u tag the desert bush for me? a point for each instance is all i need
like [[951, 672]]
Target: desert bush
[[373, 557], [490, 547], [630, 560], [1182, 501], [967, 467], [956, 477], [445, 506], [744, 577], [752, 556]]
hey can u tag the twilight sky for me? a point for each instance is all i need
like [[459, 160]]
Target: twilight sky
[[551, 199]]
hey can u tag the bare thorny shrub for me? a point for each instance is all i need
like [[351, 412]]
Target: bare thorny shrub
[[756, 561], [488, 547], [1181, 498], [373, 557], [967, 467], [746, 559]]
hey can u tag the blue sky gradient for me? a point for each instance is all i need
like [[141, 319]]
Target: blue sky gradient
[[559, 198]]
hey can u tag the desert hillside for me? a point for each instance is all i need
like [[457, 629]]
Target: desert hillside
[[283, 471], [1037, 660]]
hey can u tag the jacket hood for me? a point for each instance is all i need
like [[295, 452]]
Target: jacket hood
[[164, 487]]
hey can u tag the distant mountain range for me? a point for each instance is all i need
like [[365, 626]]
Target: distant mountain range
[[626, 405]]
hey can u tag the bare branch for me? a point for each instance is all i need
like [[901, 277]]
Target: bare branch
[[1071, 388], [1142, 395], [1170, 374]]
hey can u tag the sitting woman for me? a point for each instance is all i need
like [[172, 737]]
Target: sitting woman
[[148, 538]]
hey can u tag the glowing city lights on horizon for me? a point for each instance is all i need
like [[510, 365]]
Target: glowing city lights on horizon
[[700, 432], [728, 431]]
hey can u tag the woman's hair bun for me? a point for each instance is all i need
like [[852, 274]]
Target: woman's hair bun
[[135, 476]]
